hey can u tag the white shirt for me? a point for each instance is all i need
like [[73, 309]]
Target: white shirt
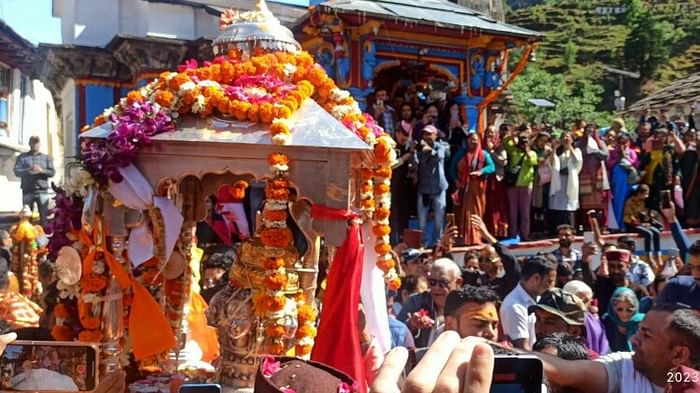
[[623, 378], [43, 379], [516, 321]]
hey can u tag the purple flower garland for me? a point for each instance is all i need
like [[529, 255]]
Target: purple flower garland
[[132, 128], [66, 220]]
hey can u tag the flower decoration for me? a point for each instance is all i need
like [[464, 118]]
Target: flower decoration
[[266, 88], [269, 301], [270, 366], [344, 387]]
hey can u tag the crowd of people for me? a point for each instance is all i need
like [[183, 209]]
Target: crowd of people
[[537, 178], [606, 317]]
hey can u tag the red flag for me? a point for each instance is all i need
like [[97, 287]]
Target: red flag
[[338, 340]]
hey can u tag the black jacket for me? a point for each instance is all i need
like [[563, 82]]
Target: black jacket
[[34, 182]]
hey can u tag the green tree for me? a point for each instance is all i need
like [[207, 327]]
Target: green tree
[[650, 41], [570, 53], [572, 101]]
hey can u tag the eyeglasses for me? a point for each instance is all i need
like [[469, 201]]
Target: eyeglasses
[[625, 310], [440, 283]]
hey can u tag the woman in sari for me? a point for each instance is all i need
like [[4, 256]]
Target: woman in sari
[[472, 171], [661, 154], [496, 212], [622, 164], [622, 319], [593, 179]]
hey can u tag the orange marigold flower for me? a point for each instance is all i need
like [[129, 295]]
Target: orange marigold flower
[[316, 75], [62, 333], [386, 264], [275, 331], [382, 214], [277, 302], [164, 98], [239, 109], [279, 128], [306, 88], [306, 313], [275, 349], [275, 281], [99, 120], [273, 263], [254, 113], [291, 103], [275, 215], [394, 284], [90, 336], [133, 96], [283, 112], [178, 80], [276, 237], [367, 204], [277, 159], [266, 113], [382, 150], [381, 188], [276, 193], [306, 330], [302, 350], [91, 323], [382, 249], [384, 172], [381, 230]]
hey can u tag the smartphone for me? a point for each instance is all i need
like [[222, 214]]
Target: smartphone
[[665, 199], [200, 388], [380, 103], [449, 220], [517, 373], [512, 373], [49, 366]]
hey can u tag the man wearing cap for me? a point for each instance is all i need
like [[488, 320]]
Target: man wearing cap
[[403, 189], [430, 159], [35, 168], [415, 262], [612, 274], [559, 311]]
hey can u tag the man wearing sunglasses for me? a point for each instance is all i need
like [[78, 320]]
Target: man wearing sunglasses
[[424, 312], [500, 267]]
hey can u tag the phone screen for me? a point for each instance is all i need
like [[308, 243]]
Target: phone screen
[[200, 388], [517, 374], [666, 199], [49, 366]]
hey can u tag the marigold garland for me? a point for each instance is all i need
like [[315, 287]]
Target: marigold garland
[[268, 88], [62, 333], [90, 336]]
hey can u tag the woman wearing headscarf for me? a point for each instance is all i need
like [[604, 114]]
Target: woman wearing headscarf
[[565, 163], [622, 319], [472, 171], [622, 164]]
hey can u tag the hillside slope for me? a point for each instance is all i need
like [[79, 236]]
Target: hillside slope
[[584, 35]]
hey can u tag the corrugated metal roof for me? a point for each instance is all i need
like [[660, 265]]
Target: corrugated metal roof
[[439, 13], [682, 92]]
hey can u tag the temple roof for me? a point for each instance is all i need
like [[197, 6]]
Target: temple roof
[[682, 92], [286, 13], [440, 13], [16, 51], [311, 126]]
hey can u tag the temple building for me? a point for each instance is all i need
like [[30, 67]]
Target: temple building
[[436, 43], [26, 109]]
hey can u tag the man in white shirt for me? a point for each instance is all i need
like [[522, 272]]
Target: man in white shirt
[[537, 276], [668, 338]]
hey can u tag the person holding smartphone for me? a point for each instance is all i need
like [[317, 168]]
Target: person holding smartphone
[[383, 112]]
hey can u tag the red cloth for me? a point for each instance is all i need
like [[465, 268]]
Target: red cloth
[[469, 157], [338, 340]]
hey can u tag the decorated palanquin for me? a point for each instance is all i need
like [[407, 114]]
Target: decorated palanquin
[[26, 252], [435, 46], [262, 121]]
